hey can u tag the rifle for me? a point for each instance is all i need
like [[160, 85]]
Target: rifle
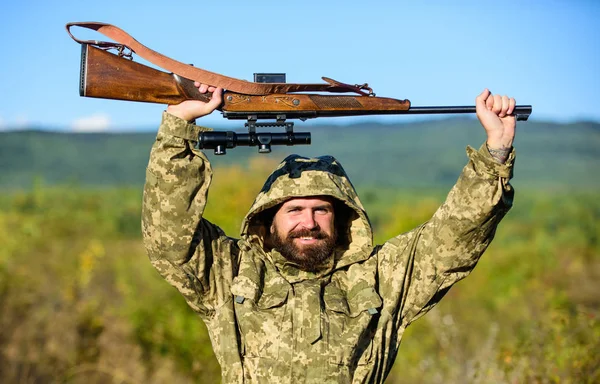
[[116, 76]]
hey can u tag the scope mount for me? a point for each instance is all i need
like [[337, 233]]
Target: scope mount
[[220, 141]]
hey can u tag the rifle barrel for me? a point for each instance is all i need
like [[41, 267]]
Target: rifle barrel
[[521, 111]]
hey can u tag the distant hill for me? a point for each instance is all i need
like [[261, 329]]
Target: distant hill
[[410, 155]]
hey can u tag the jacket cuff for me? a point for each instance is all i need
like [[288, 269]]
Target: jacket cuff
[[175, 126], [485, 164]]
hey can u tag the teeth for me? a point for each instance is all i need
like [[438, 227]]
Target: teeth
[[306, 238]]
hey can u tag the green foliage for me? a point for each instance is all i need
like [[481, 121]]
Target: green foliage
[[81, 302]]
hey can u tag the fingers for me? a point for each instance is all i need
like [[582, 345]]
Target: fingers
[[497, 108], [495, 104], [506, 107], [502, 106], [511, 106], [203, 88], [216, 98]]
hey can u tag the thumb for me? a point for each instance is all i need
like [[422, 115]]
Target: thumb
[[480, 100]]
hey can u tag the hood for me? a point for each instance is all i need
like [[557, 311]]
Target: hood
[[299, 176]]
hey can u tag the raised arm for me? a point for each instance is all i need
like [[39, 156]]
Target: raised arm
[[189, 252], [419, 267]]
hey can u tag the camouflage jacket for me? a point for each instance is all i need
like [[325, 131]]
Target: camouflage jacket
[[270, 322]]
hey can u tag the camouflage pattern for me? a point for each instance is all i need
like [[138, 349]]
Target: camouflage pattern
[[270, 322]]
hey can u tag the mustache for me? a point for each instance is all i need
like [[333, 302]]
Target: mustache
[[304, 232]]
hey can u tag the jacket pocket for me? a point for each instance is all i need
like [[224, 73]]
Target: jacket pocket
[[352, 322], [259, 315]]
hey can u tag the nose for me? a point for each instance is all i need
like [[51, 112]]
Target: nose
[[308, 220]]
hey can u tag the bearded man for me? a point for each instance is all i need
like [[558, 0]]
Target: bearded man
[[303, 295]]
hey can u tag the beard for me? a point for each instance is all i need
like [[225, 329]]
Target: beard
[[310, 258]]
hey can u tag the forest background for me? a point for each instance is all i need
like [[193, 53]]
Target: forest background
[[80, 302]]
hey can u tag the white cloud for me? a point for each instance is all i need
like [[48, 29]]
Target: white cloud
[[93, 123], [20, 122]]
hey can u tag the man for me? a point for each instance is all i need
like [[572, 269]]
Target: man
[[303, 296]]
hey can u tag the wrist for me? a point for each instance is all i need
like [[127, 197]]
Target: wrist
[[499, 152], [178, 112]]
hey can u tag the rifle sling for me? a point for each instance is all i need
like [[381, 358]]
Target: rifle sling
[[201, 75]]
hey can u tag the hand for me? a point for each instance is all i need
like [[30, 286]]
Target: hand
[[190, 110], [495, 115]]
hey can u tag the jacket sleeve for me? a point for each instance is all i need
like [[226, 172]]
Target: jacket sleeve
[[192, 254], [417, 268]]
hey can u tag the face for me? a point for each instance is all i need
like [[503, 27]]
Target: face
[[303, 231]]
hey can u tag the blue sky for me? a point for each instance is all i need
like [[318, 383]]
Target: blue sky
[[544, 53]]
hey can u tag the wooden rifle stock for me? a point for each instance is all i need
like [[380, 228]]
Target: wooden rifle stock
[[107, 76]]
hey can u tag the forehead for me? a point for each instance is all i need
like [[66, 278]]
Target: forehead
[[311, 201]]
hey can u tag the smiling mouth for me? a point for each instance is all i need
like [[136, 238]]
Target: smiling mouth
[[307, 239]]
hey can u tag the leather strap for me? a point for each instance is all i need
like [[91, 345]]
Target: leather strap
[[201, 75]]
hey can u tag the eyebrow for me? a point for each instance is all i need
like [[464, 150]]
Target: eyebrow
[[320, 206]]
